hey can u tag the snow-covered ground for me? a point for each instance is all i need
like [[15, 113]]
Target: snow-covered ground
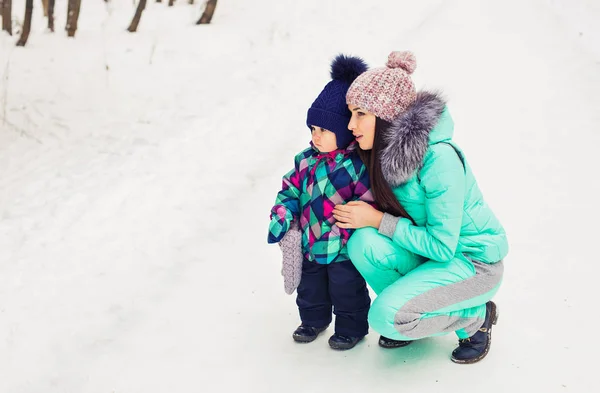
[[137, 172]]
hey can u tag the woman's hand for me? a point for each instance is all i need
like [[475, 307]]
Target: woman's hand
[[357, 214]]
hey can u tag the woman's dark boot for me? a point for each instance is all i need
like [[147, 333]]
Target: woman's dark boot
[[306, 334], [473, 349], [338, 341], [385, 342]]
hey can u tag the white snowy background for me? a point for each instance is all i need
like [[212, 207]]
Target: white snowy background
[[137, 172]]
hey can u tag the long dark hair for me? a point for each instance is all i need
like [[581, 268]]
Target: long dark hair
[[384, 197]]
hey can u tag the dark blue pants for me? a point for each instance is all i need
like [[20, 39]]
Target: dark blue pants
[[338, 285]]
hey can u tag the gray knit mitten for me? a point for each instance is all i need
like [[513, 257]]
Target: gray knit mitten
[[291, 248]]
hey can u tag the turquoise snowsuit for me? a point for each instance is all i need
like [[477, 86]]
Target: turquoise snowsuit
[[436, 276]]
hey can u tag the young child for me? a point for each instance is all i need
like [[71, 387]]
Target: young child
[[327, 173]]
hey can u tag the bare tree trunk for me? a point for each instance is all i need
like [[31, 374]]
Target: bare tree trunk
[[72, 17], [138, 15], [6, 12], [208, 12], [51, 15], [27, 24], [171, 2], [45, 7]]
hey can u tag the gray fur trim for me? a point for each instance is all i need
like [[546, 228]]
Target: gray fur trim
[[388, 225], [407, 139]]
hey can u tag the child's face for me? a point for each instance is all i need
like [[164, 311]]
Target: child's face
[[323, 139], [362, 125]]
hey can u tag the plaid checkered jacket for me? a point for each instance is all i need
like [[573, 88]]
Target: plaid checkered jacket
[[310, 191]]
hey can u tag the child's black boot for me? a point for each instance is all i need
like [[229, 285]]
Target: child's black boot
[[306, 334], [338, 341]]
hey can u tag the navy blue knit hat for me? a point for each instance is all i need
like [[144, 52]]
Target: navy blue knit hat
[[329, 110]]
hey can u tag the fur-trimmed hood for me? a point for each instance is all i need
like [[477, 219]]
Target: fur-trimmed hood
[[407, 139]]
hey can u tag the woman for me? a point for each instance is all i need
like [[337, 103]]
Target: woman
[[433, 250]]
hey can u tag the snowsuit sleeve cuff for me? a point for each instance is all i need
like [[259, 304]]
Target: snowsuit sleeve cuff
[[388, 225]]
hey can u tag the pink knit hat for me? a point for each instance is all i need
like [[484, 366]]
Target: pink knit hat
[[388, 91]]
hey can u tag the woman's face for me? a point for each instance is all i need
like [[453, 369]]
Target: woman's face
[[362, 125]]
